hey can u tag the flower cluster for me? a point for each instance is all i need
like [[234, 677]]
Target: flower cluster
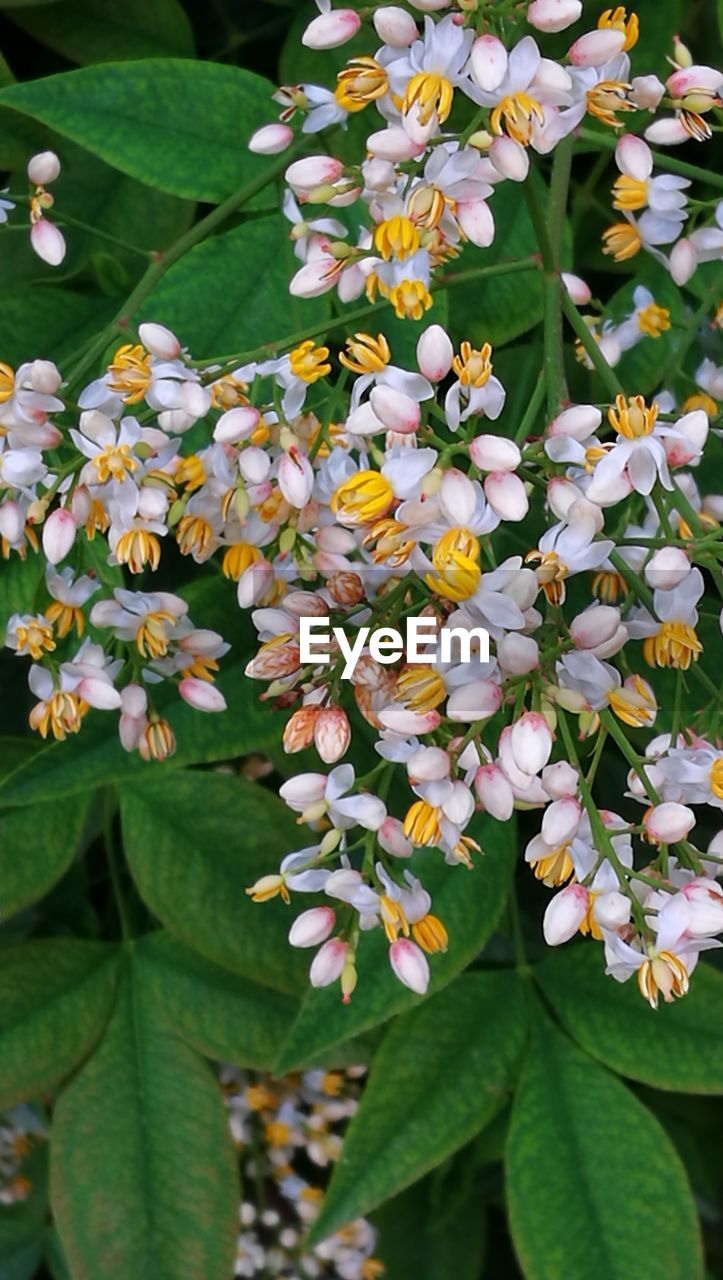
[[353, 488], [289, 1132], [21, 1130]]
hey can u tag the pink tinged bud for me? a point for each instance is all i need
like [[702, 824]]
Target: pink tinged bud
[[457, 496], [531, 742], [611, 910], [668, 132], [428, 764], [683, 261], [395, 27], [328, 963], [564, 915], [98, 693], [410, 965], [596, 47], [553, 15], [578, 290], [43, 168], [509, 159], [254, 583], [332, 734], [579, 422], [160, 341], [494, 453], [435, 353], [312, 927], [488, 62], [689, 79], [705, 906], [134, 701], [594, 626], [393, 144], [430, 6], [560, 780], [517, 654], [400, 720], [646, 92], [12, 522], [667, 568], [634, 157], [236, 425], [476, 221], [313, 171], [398, 412], [506, 495], [494, 792], [666, 823], [475, 701], [201, 695], [331, 29], [560, 821], [270, 139], [296, 478], [392, 839], [315, 278], [45, 377], [333, 538], [59, 533], [48, 242]]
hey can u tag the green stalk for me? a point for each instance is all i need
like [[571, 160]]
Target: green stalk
[[661, 159]]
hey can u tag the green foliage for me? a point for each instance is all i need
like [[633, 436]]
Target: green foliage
[[581, 1151], [87, 31], [143, 1124], [37, 845], [430, 1228]]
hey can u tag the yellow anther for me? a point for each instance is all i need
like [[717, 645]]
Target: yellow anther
[[473, 367], [130, 372], [618, 20], [421, 825], [606, 98], [309, 362], [360, 82], [632, 418], [675, 645], [138, 548], [515, 116], [421, 688], [455, 557], [364, 497], [630, 193], [654, 320], [430, 93], [621, 241], [396, 237], [365, 354]]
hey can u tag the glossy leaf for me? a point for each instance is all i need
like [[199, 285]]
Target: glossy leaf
[[55, 327], [93, 31], [220, 1014], [144, 1126], [131, 115], [468, 902], [680, 1047], [423, 1239], [595, 1186], [441, 1073], [194, 841], [55, 996], [37, 845]]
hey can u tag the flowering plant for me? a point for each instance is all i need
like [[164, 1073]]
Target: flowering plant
[[444, 355]]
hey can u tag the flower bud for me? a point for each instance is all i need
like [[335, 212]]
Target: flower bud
[[705, 902], [506, 495], [596, 47], [683, 261], [43, 168], [494, 792], [611, 910], [332, 734], [392, 840], [693, 80], [98, 693], [312, 927], [394, 144], [201, 695], [596, 627], [667, 132], [668, 822], [553, 15], [331, 29], [457, 496], [296, 478], [59, 533], [48, 242], [45, 377], [236, 425], [564, 915], [328, 963], [531, 742], [12, 522], [410, 965], [299, 729], [646, 92], [634, 157], [560, 780], [254, 583], [476, 221], [477, 700], [577, 289], [561, 820], [428, 764], [270, 139], [667, 568], [509, 159], [579, 422], [396, 410], [315, 278], [400, 720], [435, 353], [159, 340], [517, 654], [311, 171], [395, 27], [494, 453], [488, 62]]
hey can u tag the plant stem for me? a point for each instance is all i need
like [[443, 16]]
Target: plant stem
[[661, 160], [597, 359]]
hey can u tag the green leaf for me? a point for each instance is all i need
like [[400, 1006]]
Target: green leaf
[[19, 583], [194, 841], [22, 1223], [441, 1074], [55, 996], [37, 845], [468, 902], [421, 1239], [55, 326], [220, 1014], [595, 1186], [194, 299], [178, 125], [93, 31], [680, 1047], [144, 1181]]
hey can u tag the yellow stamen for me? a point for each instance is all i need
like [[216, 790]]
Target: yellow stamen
[[663, 973], [130, 372], [360, 82], [421, 824], [716, 778], [194, 536], [63, 617], [654, 320], [389, 544], [61, 714], [138, 548], [618, 20], [267, 888], [421, 688], [455, 557], [362, 498], [190, 472], [158, 741], [700, 401], [630, 193], [555, 868], [410, 299], [35, 638], [621, 241], [589, 924], [606, 98], [394, 918], [152, 635], [551, 574], [238, 558], [473, 367], [430, 934], [675, 645], [608, 586], [309, 362], [114, 463], [227, 393], [365, 354], [695, 126], [431, 93], [632, 418], [514, 115], [7, 382], [634, 704], [396, 237]]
